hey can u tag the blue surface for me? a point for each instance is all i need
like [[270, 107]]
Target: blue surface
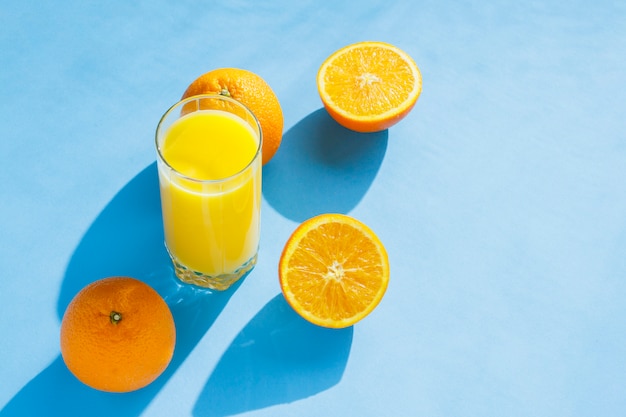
[[501, 199]]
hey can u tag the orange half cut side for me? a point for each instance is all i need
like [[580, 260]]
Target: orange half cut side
[[369, 86], [333, 270]]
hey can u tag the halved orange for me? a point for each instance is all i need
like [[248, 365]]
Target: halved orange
[[369, 86], [333, 270]]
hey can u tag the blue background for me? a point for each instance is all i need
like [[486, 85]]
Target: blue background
[[501, 200]]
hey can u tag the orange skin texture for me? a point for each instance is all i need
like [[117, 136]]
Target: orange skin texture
[[114, 355]]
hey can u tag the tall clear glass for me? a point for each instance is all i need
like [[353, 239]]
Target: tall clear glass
[[209, 161]]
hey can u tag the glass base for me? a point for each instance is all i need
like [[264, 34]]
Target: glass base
[[215, 282]]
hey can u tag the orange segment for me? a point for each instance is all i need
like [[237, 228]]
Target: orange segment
[[333, 270], [369, 86]]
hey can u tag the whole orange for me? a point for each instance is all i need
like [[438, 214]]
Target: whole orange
[[251, 90], [117, 335]]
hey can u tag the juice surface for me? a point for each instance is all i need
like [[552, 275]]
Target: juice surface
[[209, 145], [211, 227]]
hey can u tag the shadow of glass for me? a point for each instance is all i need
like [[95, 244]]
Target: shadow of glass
[[322, 167], [125, 239], [277, 358]]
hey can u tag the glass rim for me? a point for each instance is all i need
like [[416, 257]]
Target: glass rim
[[182, 102]]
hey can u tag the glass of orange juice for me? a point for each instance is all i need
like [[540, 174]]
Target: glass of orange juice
[[209, 161]]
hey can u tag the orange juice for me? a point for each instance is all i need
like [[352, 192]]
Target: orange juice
[[210, 179]]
